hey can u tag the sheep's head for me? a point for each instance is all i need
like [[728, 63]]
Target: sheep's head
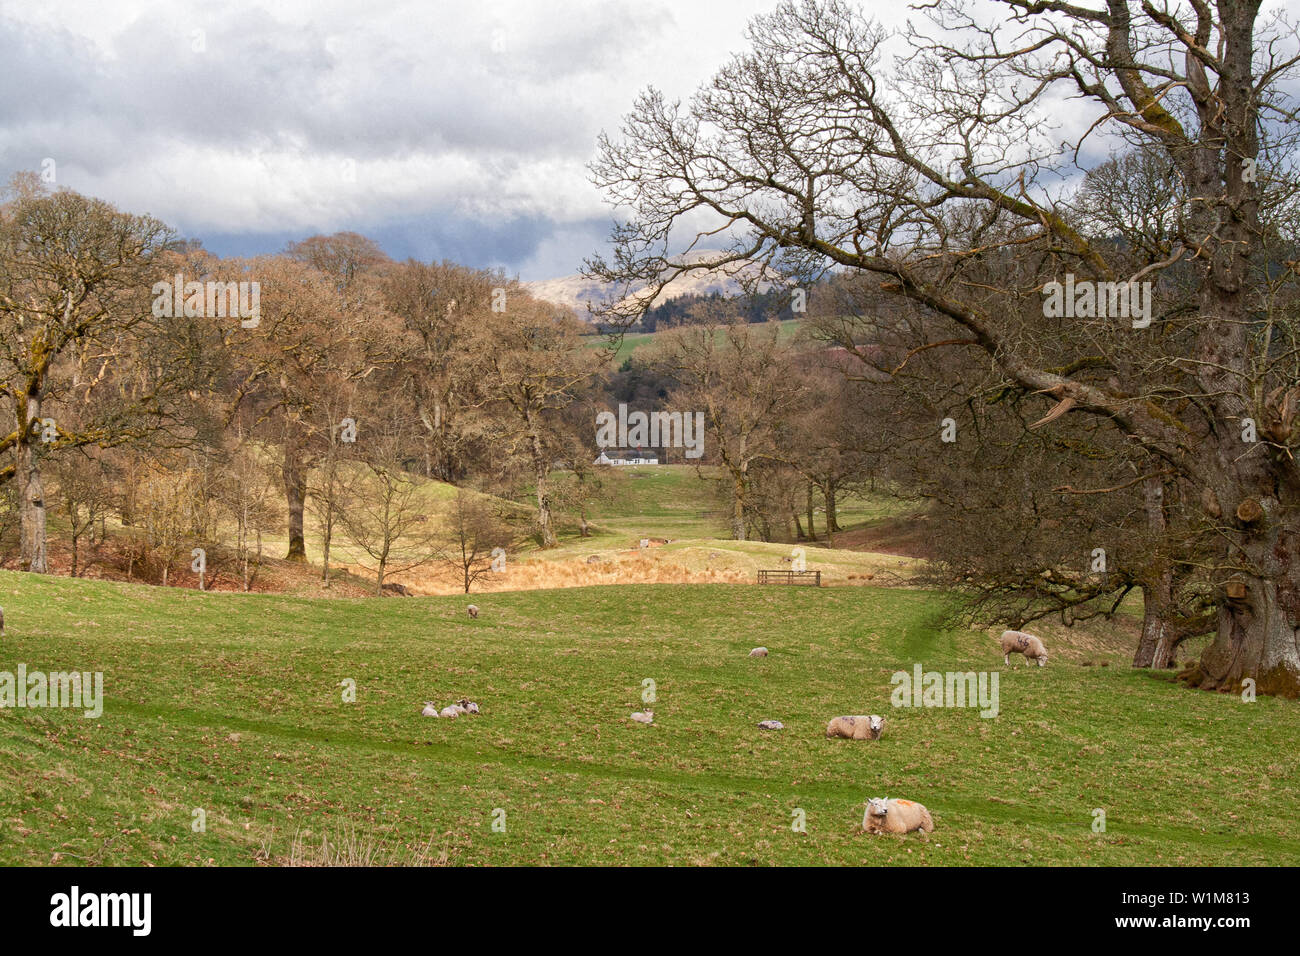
[[877, 807], [876, 723]]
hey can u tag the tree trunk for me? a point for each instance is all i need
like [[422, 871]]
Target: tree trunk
[[798, 528], [325, 545], [832, 524], [1259, 634], [1157, 586], [1156, 646], [738, 508], [545, 523], [31, 494], [295, 492], [812, 527]]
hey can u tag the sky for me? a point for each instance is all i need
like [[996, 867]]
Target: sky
[[441, 130]]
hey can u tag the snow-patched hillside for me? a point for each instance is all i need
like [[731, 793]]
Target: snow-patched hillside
[[576, 291]]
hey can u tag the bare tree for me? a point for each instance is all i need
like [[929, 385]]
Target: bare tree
[[387, 509], [75, 278], [471, 531], [740, 377], [805, 147], [533, 365]]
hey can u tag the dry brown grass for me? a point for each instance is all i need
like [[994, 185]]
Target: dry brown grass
[[347, 847], [613, 567]]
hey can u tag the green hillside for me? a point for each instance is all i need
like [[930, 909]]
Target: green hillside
[[232, 704]]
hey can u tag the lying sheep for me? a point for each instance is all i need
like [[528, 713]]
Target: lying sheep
[[771, 725], [758, 652], [1018, 642], [459, 709], [896, 816], [473, 611], [857, 727], [644, 717]]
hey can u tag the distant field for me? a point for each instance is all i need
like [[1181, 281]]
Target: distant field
[[631, 341], [232, 704]]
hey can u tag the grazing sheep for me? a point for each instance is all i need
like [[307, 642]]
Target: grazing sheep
[[758, 652], [473, 611], [857, 727], [771, 725], [1018, 642], [896, 816], [644, 717], [430, 709]]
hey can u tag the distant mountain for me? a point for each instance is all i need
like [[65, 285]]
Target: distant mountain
[[577, 291]]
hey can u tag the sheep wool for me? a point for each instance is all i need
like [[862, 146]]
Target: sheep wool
[[430, 709], [1018, 642], [896, 816], [856, 727], [644, 717], [758, 652], [472, 610]]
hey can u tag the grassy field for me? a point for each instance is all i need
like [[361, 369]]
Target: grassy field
[[232, 704]]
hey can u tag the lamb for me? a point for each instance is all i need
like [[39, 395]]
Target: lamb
[[644, 717], [467, 706], [856, 727], [1018, 642], [758, 652], [451, 710], [896, 816], [430, 709], [473, 611], [771, 725]]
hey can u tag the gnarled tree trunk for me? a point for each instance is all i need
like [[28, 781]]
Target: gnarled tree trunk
[[294, 474], [31, 493]]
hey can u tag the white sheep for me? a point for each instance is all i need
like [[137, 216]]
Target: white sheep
[[771, 725], [644, 717], [896, 816], [1018, 642], [430, 709], [856, 727], [473, 611], [468, 706], [758, 652], [452, 710]]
